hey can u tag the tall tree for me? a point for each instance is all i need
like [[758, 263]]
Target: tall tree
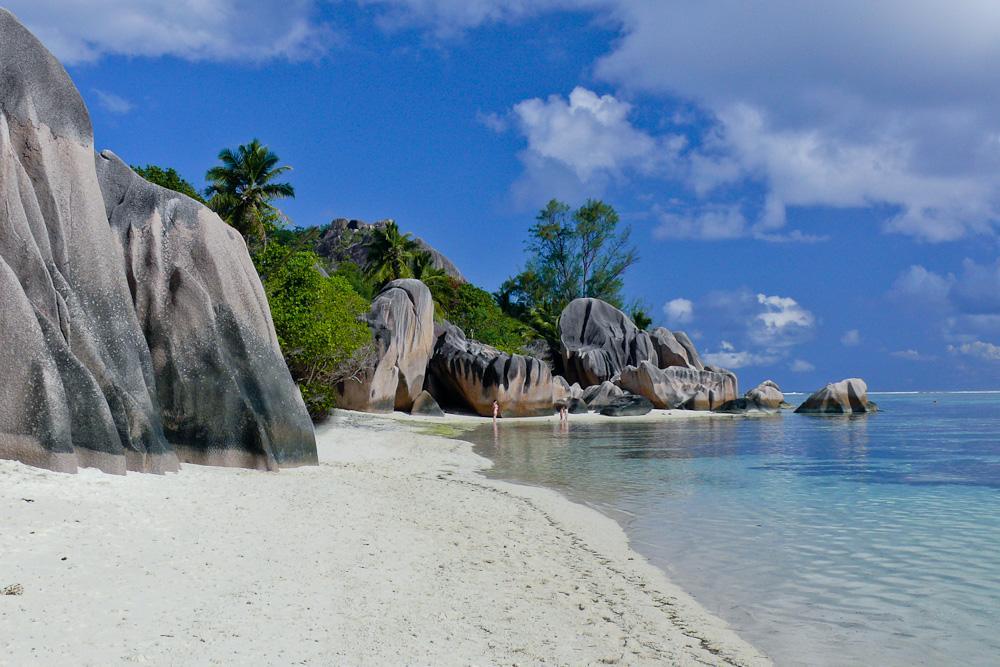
[[391, 254], [242, 188]]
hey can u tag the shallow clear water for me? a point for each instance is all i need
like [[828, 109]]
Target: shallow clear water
[[822, 540]]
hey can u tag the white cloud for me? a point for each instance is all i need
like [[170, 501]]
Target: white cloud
[[918, 286], [781, 322], [978, 349], [493, 121], [912, 355], [587, 134], [801, 366], [244, 30], [679, 311], [851, 338], [842, 103], [732, 359], [112, 103], [710, 224]]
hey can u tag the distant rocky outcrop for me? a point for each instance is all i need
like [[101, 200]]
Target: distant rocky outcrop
[[80, 296], [678, 387], [598, 341], [765, 397], [469, 374], [350, 240], [402, 323], [845, 397]]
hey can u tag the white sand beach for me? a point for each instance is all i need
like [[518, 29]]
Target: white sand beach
[[392, 551]]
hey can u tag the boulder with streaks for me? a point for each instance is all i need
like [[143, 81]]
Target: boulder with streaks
[[676, 387], [848, 396], [402, 323], [598, 340], [600, 395], [468, 374]]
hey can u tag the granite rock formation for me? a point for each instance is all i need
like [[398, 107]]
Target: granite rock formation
[[600, 395], [225, 394], [350, 240], [598, 341], [767, 395], [845, 397], [426, 405], [79, 385], [467, 374], [676, 387], [627, 405], [694, 360], [670, 352], [402, 323]]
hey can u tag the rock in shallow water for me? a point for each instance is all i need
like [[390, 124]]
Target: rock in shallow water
[[845, 397]]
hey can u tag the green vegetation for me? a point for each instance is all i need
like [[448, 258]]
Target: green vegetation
[[477, 313], [317, 322], [242, 188], [168, 178], [392, 255]]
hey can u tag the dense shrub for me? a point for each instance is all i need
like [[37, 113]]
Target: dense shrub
[[316, 319], [476, 312]]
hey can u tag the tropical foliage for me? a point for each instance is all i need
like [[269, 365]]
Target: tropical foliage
[[242, 188], [168, 178], [391, 255]]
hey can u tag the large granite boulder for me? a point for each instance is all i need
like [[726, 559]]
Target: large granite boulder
[[676, 387], [225, 394], [767, 395], [350, 240], [402, 323], [468, 374], [79, 386], [598, 341], [426, 406], [670, 351], [845, 397], [600, 395], [694, 360]]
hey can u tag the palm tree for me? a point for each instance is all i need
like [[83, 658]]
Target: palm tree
[[242, 188], [391, 254]]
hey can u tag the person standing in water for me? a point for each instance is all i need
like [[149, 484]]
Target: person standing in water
[[496, 411]]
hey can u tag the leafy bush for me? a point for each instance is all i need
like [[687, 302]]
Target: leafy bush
[[476, 312], [317, 322], [168, 178]]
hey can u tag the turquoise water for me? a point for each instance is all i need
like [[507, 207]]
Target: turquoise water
[[822, 540]]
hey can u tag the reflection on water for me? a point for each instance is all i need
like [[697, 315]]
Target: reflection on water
[[852, 540]]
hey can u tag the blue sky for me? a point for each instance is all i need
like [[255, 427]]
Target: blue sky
[[814, 187]]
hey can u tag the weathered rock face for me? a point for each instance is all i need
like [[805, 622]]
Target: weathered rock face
[[598, 341], [576, 406], [402, 323], [677, 387], [627, 405], [79, 386], [669, 351], [601, 395], [466, 373], [223, 388], [694, 360], [844, 397], [767, 395], [426, 405], [350, 240]]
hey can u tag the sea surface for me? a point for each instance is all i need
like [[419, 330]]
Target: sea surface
[[863, 540]]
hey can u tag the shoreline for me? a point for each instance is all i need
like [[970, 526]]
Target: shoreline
[[395, 549]]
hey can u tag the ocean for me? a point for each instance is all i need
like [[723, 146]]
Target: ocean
[[870, 539]]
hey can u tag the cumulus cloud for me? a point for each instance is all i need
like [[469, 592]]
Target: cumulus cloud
[[781, 322], [851, 338], [710, 223], [112, 103], [678, 311], [801, 366], [978, 349], [733, 360], [877, 104], [912, 355], [246, 30]]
